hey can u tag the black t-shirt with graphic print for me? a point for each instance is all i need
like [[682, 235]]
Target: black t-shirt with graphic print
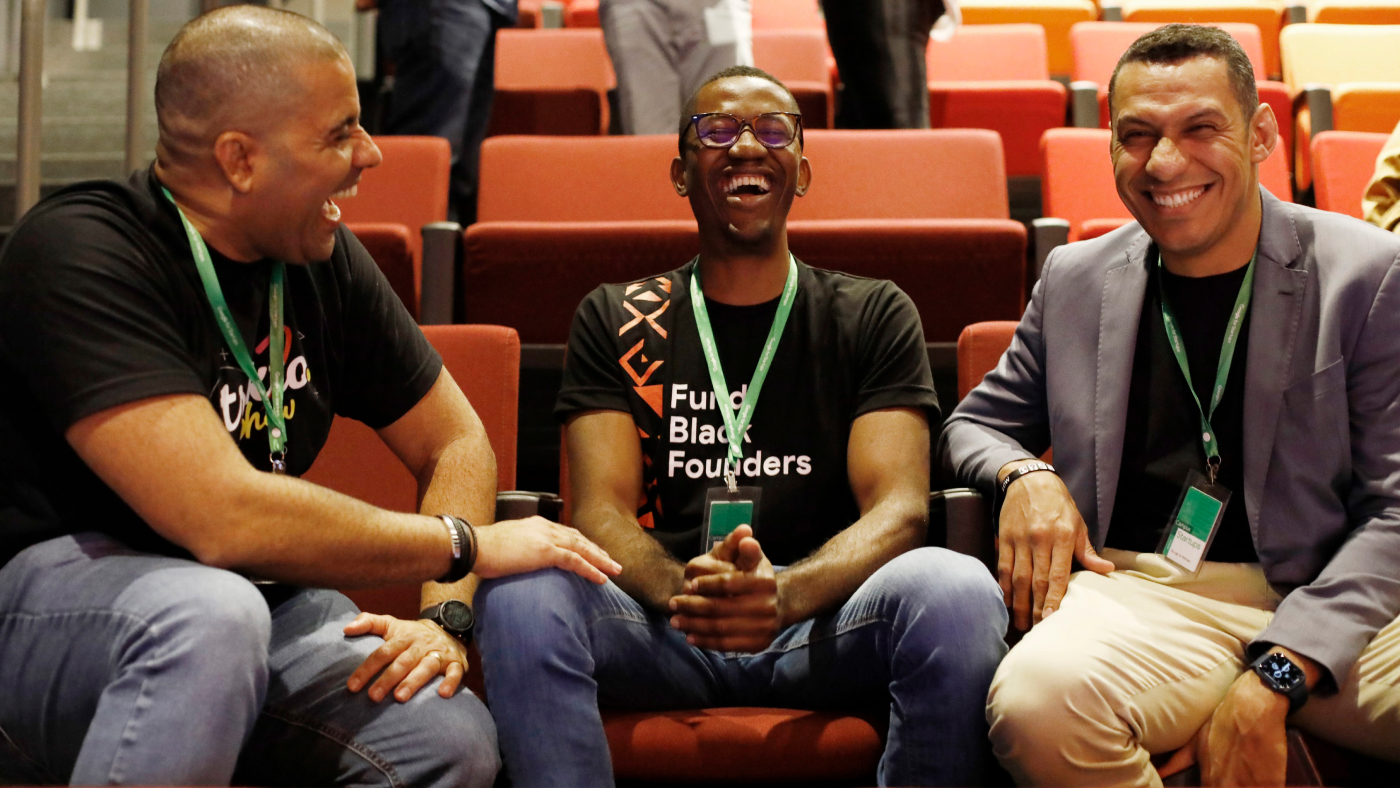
[[101, 305], [852, 345]]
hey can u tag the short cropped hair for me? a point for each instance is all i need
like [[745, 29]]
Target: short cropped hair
[[733, 71], [1176, 43]]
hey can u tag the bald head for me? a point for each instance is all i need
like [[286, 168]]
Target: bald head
[[235, 68]]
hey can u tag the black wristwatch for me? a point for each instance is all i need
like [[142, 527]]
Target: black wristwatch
[[455, 618], [1280, 674]]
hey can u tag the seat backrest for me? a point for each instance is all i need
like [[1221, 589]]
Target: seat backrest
[[1354, 12], [1078, 184], [945, 173], [792, 55], [905, 174], [564, 58], [391, 246], [1366, 106], [1267, 15], [1335, 54], [1343, 164], [980, 348], [408, 188], [787, 15], [1055, 16], [1099, 45], [987, 52], [485, 363]]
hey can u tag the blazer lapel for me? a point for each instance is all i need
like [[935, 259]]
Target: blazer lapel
[[1124, 287], [1280, 280]]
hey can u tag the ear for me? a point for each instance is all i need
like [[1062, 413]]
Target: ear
[[1263, 137], [678, 177], [235, 152], [804, 176]]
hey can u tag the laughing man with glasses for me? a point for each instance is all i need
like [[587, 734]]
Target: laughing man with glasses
[[780, 568]]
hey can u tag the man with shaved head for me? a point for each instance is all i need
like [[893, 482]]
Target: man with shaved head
[[174, 348]]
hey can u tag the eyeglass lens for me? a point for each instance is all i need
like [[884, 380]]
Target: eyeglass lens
[[773, 130]]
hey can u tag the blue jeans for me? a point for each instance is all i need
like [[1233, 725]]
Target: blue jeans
[[119, 667], [923, 634]]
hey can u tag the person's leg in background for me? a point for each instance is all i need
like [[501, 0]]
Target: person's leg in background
[[443, 53], [704, 48], [880, 48], [554, 648], [121, 667], [924, 634], [313, 731], [638, 36]]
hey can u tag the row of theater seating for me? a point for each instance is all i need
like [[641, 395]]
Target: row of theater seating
[[994, 76], [689, 746], [926, 209]]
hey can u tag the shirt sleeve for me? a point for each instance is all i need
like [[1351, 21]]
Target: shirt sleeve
[[593, 378], [388, 364], [86, 322], [1381, 203], [894, 359]]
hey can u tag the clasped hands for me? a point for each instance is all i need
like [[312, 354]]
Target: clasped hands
[[730, 599], [414, 652]]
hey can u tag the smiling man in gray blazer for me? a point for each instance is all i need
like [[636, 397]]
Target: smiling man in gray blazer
[[1220, 381]]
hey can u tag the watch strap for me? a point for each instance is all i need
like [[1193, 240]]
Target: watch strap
[[1030, 466]]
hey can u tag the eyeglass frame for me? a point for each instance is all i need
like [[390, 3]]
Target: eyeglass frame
[[745, 123]]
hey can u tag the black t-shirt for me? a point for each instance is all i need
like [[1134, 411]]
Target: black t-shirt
[[101, 305], [851, 346], [1162, 439]]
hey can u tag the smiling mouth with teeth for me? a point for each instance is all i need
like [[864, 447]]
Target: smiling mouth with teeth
[[332, 211], [746, 184], [1178, 199]]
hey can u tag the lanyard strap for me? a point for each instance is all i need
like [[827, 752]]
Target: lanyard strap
[[271, 398], [735, 425], [1222, 369]]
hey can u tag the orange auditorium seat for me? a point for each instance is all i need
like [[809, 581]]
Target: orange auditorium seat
[[995, 77], [1267, 15], [1354, 12], [551, 82], [409, 188], [581, 13], [799, 59], [485, 362], [980, 347], [788, 15], [1098, 45], [391, 246], [1078, 185], [1344, 163], [1056, 16]]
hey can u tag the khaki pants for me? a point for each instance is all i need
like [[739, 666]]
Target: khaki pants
[[1134, 662]]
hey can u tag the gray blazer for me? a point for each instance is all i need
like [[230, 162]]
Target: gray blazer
[[1321, 422]]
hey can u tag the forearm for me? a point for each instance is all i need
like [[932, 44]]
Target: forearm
[[827, 578], [650, 575], [461, 482]]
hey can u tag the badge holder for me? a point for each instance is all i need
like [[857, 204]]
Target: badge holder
[[1194, 522], [727, 509]]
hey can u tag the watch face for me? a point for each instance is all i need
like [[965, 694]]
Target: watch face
[[456, 616], [1281, 671]]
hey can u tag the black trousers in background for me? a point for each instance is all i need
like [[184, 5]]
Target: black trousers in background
[[880, 47]]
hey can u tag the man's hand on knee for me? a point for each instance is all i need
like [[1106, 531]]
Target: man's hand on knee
[[518, 546], [413, 653], [730, 600], [1041, 535]]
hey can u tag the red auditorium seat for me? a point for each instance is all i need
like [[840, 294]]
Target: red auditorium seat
[[391, 246], [485, 362], [551, 82], [799, 59], [1078, 185], [409, 188], [980, 347], [996, 77], [788, 15], [1343, 164], [1098, 45]]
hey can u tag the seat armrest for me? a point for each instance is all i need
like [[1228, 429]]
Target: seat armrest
[[441, 244], [1046, 234], [1084, 104], [519, 504], [958, 519], [1295, 13], [1318, 100], [1111, 11]]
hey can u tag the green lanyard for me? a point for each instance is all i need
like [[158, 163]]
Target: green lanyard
[[736, 425], [271, 399], [1222, 369]]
